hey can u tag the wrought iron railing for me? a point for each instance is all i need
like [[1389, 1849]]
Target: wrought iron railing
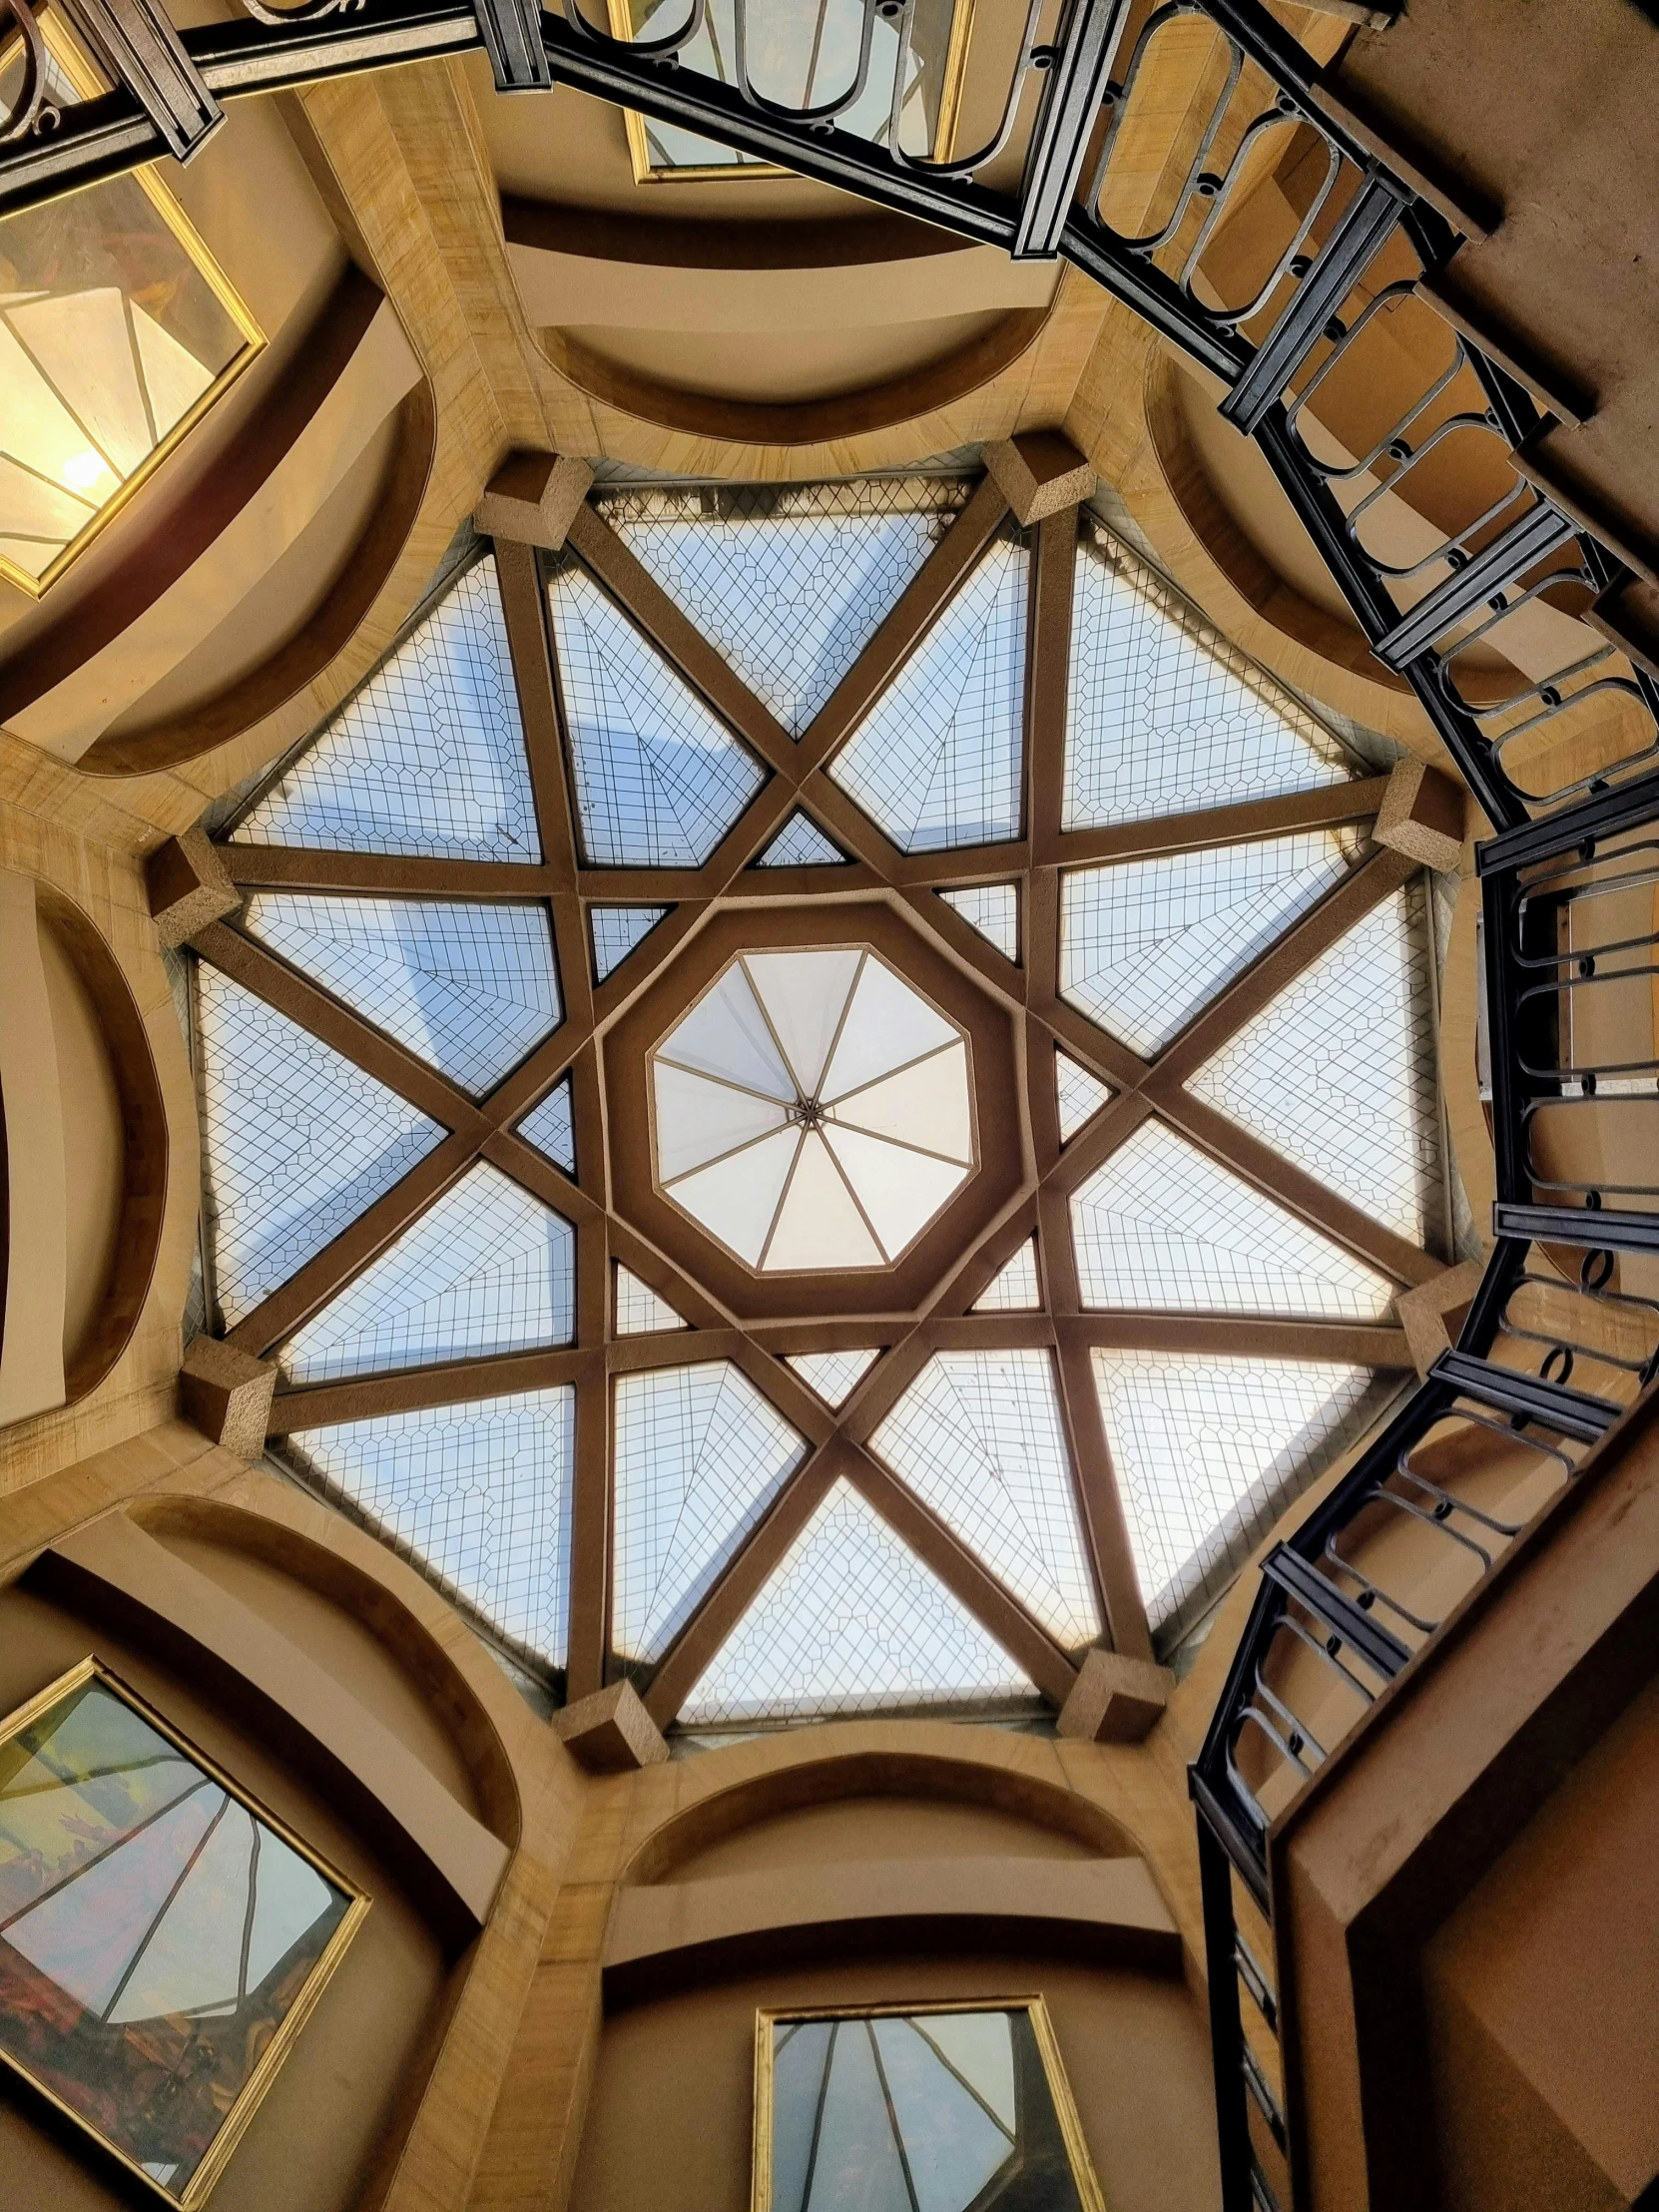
[[1404, 452]]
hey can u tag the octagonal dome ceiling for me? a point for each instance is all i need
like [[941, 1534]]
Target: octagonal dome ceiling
[[940, 1083]]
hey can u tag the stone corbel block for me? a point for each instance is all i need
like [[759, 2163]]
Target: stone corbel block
[[227, 1395], [1038, 473], [1421, 816], [611, 1732], [187, 887], [532, 499], [1115, 1700], [1432, 1314]]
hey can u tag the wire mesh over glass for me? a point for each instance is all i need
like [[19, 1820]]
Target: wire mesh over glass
[[296, 1142], [1339, 1072], [639, 1311], [812, 1110], [471, 987], [477, 1497], [486, 1270], [616, 930], [938, 760], [993, 909], [977, 1437], [551, 1125], [659, 778], [700, 1456], [852, 1621], [427, 758], [1145, 944], [1164, 716], [788, 582], [1013, 1288], [802, 843], [835, 1375], [1080, 1094], [1159, 1224], [1209, 1451]]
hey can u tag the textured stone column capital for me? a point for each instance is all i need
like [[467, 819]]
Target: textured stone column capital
[[611, 1732], [532, 499], [227, 1395], [1038, 473], [189, 887]]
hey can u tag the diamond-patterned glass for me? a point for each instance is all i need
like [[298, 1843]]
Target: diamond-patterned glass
[[659, 778], [852, 1621], [1081, 1094], [977, 1437], [477, 1497], [1161, 1224], [802, 843], [615, 931], [1164, 716], [1210, 1452], [639, 1311], [470, 987], [1144, 945], [936, 762], [487, 1269], [993, 909], [790, 582], [1340, 1074], [551, 1125], [700, 1456], [296, 1142], [833, 1374], [427, 758]]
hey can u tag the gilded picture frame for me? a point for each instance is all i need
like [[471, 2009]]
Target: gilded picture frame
[[769, 2019], [275, 2049]]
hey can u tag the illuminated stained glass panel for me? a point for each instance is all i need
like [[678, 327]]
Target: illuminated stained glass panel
[[802, 843], [852, 1621], [993, 909], [639, 1311], [615, 931], [551, 1125], [1081, 1095], [833, 1374], [1013, 1288]]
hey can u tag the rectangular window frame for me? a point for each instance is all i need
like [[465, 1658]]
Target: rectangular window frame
[[255, 2089], [769, 2019]]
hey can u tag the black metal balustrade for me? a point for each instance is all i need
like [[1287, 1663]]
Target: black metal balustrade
[[1460, 571]]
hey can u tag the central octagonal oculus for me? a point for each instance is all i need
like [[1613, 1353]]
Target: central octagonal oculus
[[812, 1110]]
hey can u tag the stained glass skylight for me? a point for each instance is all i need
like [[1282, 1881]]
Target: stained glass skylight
[[1161, 1224], [938, 760], [993, 909], [977, 1437], [659, 777], [476, 1495], [639, 1310], [1339, 1072], [700, 1456], [833, 1374], [1164, 716], [790, 582], [1013, 1288], [812, 1110], [1145, 944], [1209, 1451], [551, 1125], [802, 843], [615, 931], [1081, 1095], [487, 1269], [852, 1621], [296, 1142], [470, 987], [427, 758]]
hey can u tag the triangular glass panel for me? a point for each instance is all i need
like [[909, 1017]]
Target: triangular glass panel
[[296, 1142], [1081, 1094], [469, 987], [477, 1497], [551, 1125], [1339, 1073], [639, 1311], [835, 1375], [977, 1437], [700, 1456], [427, 758], [1164, 716], [936, 762], [1161, 1224], [1013, 1288], [802, 843], [852, 1621], [487, 1269], [993, 909], [659, 778], [1210, 1452], [788, 582], [615, 931], [1145, 943]]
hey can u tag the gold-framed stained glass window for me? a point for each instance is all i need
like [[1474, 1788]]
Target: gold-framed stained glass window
[[162, 1935], [927, 2107], [802, 56], [118, 333]]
